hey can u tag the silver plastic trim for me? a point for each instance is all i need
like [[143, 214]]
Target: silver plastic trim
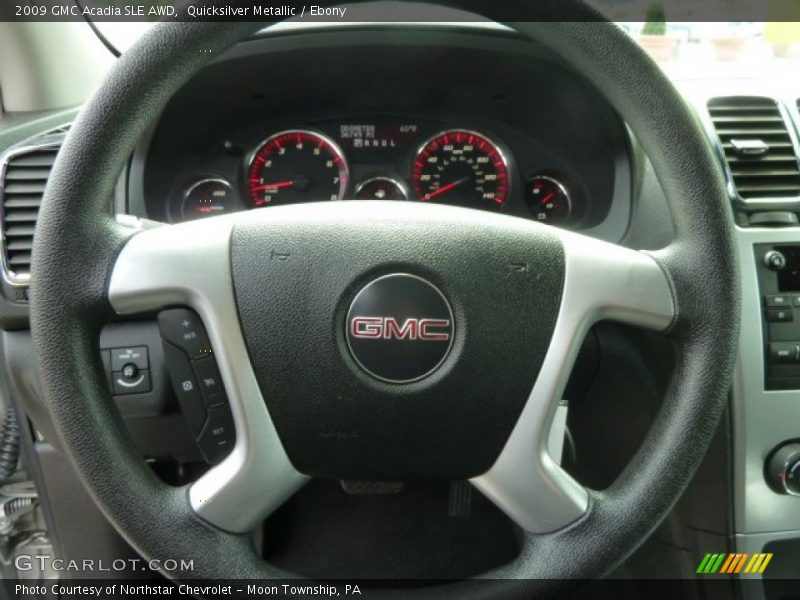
[[762, 419], [752, 544], [602, 282], [39, 143], [188, 264]]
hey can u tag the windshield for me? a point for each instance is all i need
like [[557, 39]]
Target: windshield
[[688, 50], [685, 50]]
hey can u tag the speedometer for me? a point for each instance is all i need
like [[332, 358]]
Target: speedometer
[[463, 168], [297, 166]]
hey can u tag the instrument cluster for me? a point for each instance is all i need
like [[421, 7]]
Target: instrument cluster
[[376, 158]]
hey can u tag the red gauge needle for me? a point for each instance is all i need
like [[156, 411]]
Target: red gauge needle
[[547, 198], [444, 189], [273, 186]]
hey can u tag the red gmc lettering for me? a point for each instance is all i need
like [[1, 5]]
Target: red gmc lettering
[[389, 328], [425, 326], [392, 330], [367, 327]]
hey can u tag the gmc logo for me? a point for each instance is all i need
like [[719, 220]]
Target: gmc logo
[[388, 328]]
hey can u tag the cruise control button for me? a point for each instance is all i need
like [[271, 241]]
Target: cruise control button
[[780, 315], [132, 355], [185, 387], [218, 435], [784, 353], [209, 380], [184, 329], [136, 384]]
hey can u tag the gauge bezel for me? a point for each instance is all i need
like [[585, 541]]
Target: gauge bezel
[[499, 147], [399, 183], [344, 184], [195, 185], [562, 187]]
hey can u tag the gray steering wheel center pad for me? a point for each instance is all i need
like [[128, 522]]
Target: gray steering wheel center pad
[[72, 265]]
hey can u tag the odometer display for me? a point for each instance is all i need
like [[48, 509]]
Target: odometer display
[[297, 166], [463, 168]]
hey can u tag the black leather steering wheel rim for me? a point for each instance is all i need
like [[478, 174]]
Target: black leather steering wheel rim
[[77, 242]]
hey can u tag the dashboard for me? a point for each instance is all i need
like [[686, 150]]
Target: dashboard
[[480, 120], [474, 121], [376, 157]]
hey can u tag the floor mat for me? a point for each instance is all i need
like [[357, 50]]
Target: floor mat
[[324, 532]]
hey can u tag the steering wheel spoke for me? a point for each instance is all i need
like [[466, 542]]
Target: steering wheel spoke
[[602, 282], [189, 265]]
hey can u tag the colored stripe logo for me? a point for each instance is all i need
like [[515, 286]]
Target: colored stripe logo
[[734, 563]]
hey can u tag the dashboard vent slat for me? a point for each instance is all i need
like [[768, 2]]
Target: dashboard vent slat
[[36, 159], [25, 172], [17, 174], [758, 147]]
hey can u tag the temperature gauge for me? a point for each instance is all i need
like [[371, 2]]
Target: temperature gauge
[[548, 199], [206, 198]]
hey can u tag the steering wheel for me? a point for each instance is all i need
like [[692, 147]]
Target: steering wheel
[[473, 393]]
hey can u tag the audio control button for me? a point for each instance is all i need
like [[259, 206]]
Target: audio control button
[[780, 315], [784, 353], [778, 300]]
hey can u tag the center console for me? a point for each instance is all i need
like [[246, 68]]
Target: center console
[[753, 126]]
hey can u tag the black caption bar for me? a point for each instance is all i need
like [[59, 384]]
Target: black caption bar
[[391, 11]]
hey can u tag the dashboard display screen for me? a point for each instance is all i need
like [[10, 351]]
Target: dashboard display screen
[[789, 276], [374, 140]]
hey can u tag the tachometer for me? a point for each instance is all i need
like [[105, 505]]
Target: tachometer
[[463, 168], [297, 166]]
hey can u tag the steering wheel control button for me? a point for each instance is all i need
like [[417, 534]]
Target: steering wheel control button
[[400, 328], [218, 435], [184, 329], [136, 356], [209, 381], [196, 382], [186, 389]]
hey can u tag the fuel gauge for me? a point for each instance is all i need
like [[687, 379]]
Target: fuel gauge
[[381, 188], [548, 199], [206, 198]]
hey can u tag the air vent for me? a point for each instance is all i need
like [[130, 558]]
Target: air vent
[[58, 130], [757, 146], [23, 176]]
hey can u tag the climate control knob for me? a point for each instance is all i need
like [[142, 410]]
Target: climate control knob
[[783, 469]]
